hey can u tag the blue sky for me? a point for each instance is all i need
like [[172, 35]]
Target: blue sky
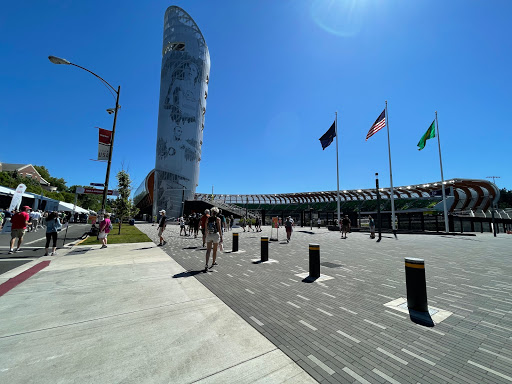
[[279, 71]]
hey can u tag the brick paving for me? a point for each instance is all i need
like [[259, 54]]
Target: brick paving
[[339, 330]]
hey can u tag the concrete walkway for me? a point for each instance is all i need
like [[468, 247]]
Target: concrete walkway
[[128, 314]]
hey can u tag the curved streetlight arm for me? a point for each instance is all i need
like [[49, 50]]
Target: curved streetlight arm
[[99, 77], [58, 60]]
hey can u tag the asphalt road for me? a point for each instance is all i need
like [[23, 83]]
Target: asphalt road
[[33, 245]]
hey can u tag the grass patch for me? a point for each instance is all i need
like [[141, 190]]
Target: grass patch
[[129, 234]]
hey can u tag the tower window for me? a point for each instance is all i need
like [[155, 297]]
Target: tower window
[[174, 47]]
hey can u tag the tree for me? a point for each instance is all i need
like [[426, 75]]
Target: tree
[[123, 205], [505, 198], [43, 171]]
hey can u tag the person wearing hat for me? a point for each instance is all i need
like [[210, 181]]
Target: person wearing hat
[[161, 227], [19, 223]]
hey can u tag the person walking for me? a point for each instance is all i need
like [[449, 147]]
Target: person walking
[[34, 217], [19, 222], [345, 227], [371, 222], [105, 227], [222, 220], [232, 222], [213, 237], [228, 223], [182, 225], [204, 220], [319, 222], [161, 227], [53, 225], [197, 220], [288, 225], [249, 227]]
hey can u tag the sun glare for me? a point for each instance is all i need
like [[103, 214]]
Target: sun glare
[[339, 17]]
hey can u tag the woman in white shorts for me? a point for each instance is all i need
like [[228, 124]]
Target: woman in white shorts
[[213, 236]]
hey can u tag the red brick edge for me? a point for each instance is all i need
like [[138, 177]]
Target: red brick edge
[[13, 282]]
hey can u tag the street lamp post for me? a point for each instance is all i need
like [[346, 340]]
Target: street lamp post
[[58, 60]]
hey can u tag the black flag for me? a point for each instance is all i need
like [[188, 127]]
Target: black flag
[[328, 136]]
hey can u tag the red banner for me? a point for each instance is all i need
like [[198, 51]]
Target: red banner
[[104, 142], [105, 136]]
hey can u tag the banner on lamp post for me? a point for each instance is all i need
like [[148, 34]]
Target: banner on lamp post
[[104, 143]]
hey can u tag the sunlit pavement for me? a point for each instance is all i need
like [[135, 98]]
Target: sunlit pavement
[[339, 330], [127, 314]]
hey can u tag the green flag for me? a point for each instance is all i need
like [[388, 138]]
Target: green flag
[[430, 134]]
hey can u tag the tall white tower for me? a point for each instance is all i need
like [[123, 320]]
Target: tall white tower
[[183, 92]]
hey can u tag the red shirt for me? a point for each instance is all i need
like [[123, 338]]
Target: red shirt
[[19, 220], [203, 221]]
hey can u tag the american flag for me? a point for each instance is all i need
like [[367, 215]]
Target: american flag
[[378, 125]]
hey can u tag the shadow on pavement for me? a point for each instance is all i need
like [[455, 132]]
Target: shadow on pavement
[[188, 274], [80, 250], [309, 279], [142, 249], [421, 318], [308, 232]]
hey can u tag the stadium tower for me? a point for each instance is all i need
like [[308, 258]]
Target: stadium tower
[[183, 92]]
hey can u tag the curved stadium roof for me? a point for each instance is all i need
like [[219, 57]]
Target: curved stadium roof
[[462, 194]]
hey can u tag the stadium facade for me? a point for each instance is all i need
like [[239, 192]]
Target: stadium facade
[[181, 114]]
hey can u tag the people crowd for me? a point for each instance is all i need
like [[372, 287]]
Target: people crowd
[[26, 219]]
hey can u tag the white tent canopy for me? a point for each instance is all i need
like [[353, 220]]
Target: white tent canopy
[[69, 208]]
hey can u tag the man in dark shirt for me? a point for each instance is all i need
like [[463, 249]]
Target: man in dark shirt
[[161, 227], [345, 227]]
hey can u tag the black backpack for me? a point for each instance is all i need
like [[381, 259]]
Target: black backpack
[[212, 225]]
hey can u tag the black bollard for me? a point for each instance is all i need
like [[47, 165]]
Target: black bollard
[[235, 242], [416, 284], [264, 248], [314, 261]]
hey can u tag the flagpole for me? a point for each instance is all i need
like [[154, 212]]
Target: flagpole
[[391, 177], [446, 227], [337, 167]]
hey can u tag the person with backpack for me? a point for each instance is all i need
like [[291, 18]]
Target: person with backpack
[[288, 224], [213, 236], [53, 226], [105, 228]]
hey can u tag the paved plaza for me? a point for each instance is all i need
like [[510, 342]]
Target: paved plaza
[[339, 330], [117, 315], [138, 313]]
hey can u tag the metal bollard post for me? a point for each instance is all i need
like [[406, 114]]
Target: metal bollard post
[[416, 284], [264, 248], [235, 242], [314, 261]]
